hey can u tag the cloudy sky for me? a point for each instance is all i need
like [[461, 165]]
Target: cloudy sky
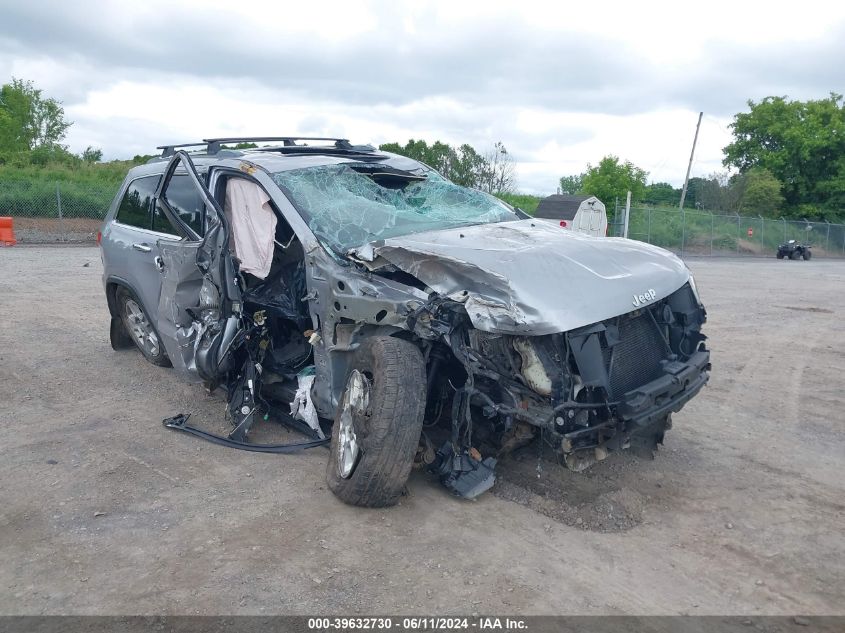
[[560, 84]]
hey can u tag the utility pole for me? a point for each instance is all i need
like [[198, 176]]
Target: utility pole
[[691, 154]]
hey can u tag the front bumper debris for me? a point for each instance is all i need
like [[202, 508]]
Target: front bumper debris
[[668, 393], [463, 474]]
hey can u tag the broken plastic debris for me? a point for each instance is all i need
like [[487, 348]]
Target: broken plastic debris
[[463, 473], [302, 408]]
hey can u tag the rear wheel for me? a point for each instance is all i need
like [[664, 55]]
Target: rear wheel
[[140, 328], [377, 424], [807, 255], [795, 255]]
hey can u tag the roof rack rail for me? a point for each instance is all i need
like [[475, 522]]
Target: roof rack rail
[[169, 150], [214, 144]]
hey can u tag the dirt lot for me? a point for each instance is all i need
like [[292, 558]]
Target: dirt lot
[[102, 510]]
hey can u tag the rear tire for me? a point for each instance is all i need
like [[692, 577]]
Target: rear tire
[[385, 423], [807, 255], [795, 255], [140, 328]]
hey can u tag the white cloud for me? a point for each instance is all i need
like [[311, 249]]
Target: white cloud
[[561, 84]]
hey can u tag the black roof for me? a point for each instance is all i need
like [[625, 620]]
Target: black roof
[[559, 206]]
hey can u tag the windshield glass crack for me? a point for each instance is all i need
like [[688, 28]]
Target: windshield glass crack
[[346, 209]]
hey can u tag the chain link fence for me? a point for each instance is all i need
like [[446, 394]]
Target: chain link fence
[[705, 233], [63, 211], [67, 211]]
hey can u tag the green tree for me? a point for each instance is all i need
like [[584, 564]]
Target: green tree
[[92, 155], [439, 155], [15, 108], [493, 172], [611, 179], [720, 192], [47, 154], [571, 184], [760, 193], [694, 189], [393, 148], [468, 166], [755, 192], [28, 120], [662, 193], [802, 144]]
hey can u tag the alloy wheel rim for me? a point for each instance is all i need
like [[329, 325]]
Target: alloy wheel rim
[[354, 404], [140, 329]]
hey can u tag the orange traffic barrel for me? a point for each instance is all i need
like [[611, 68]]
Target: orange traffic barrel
[[7, 232]]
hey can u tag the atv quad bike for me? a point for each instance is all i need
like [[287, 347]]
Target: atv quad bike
[[794, 250]]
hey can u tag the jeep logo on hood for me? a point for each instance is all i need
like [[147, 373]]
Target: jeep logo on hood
[[644, 298]]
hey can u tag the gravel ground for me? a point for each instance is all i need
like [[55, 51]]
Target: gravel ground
[[104, 511]]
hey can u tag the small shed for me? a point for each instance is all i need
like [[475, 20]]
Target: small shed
[[586, 214]]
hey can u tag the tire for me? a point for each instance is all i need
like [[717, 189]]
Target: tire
[[795, 255], [780, 255], [140, 328], [807, 255], [387, 423]]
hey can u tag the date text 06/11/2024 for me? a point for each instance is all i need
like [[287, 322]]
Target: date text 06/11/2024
[[416, 624]]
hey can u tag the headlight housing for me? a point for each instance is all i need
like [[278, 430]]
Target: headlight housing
[[694, 287]]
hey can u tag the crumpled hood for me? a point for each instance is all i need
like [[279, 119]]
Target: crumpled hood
[[532, 277]]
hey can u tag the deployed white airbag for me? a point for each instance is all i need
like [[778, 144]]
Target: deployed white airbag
[[253, 226]]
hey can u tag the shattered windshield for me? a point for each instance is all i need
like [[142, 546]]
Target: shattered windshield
[[347, 209]]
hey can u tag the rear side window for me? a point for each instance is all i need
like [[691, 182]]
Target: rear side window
[[184, 199], [162, 224], [134, 209]]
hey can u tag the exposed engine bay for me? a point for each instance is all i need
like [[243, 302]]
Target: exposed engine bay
[[582, 393]]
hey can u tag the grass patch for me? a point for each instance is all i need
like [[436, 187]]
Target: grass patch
[[86, 189], [524, 201]]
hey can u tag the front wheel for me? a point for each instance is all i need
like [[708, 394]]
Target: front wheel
[[795, 255], [377, 423], [780, 255], [807, 255]]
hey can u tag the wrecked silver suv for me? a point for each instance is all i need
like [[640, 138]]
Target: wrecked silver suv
[[425, 322]]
